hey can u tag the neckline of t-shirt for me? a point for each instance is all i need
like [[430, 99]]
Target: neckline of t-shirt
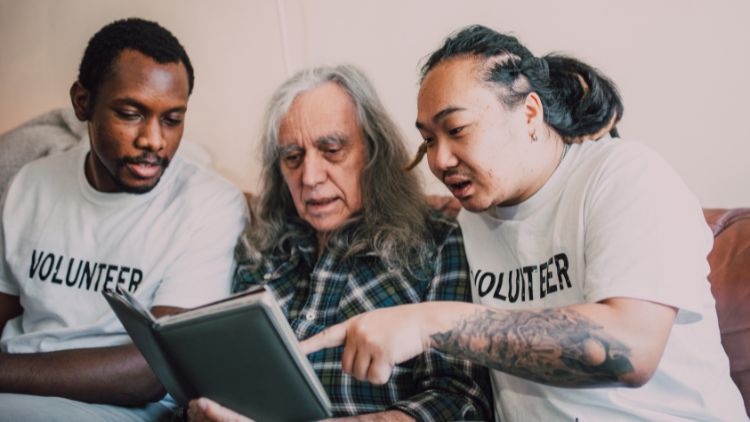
[[117, 198], [548, 190]]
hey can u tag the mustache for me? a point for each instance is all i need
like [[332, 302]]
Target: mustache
[[455, 172], [148, 159]]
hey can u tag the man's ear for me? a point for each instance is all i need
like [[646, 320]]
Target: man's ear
[[533, 109], [80, 97]]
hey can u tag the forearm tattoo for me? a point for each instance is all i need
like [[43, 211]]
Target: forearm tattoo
[[552, 346]]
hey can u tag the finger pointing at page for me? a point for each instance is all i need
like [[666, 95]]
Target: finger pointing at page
[[374, 341], [332, 336]]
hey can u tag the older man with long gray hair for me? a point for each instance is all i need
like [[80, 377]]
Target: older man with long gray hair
[[342, 229]]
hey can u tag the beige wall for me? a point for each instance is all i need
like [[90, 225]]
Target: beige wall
[[681, 65]]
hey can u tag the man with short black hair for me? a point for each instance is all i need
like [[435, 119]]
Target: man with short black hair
[[104, 216]]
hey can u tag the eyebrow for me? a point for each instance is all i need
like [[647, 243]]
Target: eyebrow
[[137, 104], [440, 115], [334, 138], [282, 150]]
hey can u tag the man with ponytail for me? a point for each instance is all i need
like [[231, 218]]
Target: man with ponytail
[[588, 258]]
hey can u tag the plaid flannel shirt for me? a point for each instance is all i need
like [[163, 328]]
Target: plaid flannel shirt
[[315, 294]]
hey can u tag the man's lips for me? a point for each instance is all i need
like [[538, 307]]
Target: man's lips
[[458, 185], [144, 171], [320, 206], [145, 167], [319, 202]]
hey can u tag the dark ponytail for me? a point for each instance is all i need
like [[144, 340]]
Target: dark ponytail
[[579, 101]]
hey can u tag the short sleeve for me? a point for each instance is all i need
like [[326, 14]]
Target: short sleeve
[[645, 235]]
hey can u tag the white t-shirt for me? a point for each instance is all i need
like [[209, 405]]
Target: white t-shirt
[[613, 221], [63, 242]]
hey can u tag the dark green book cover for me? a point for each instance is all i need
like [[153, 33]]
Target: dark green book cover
[[239, 352]]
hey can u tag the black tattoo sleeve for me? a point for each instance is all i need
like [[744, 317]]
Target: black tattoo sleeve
[[553, 346]]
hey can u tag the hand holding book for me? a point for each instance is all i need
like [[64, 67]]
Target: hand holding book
[[239, 352]]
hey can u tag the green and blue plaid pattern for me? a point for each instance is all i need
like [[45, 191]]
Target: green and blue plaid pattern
[[315, 294]]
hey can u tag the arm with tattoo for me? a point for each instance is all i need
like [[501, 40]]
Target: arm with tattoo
[[615, 342], [554, 346]]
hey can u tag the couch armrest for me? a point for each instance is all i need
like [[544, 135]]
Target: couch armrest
[[730, 285]]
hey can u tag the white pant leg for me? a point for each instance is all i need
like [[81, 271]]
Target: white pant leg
[[23, 407]]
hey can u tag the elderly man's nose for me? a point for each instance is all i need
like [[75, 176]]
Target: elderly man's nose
[[313, 170]]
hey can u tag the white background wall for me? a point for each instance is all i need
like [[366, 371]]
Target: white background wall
[[681, 65]]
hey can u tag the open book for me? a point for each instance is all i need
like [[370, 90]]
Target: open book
[[239, 352]]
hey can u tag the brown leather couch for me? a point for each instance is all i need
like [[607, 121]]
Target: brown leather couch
[[730, 284]]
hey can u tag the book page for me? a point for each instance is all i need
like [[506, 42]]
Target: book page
[[233, 301]]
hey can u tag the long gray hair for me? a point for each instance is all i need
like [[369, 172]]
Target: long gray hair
[[392, 222]]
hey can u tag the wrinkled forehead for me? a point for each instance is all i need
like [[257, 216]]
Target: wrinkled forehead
[[325, 112]]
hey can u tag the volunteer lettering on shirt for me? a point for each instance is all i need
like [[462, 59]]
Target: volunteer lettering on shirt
[[79, 273], [525, 283]]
